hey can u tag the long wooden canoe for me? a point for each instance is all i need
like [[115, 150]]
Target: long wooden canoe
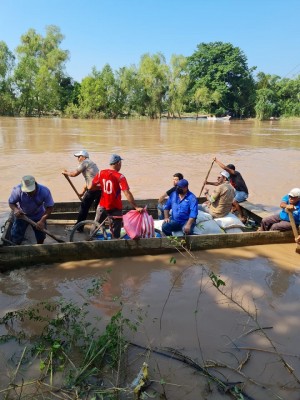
[[12, 256]]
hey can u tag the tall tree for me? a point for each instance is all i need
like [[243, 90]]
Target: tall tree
[[223, 68], [7, 61], [178, 84], [40, 70], [153, 74]]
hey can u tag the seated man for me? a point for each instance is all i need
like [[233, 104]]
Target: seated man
[[281, 222], [220, 202], [184, 206], [237, 181], [160, 208]]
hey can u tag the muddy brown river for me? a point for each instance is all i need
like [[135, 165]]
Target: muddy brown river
[[244, 333]]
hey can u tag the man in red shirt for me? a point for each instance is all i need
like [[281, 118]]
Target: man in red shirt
[[112, 183]]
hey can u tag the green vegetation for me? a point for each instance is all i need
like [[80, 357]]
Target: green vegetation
[[215, 79], [70, 357]]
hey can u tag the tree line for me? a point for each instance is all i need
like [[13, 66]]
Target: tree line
[[215, 79]]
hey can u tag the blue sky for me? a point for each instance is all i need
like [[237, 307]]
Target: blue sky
[[119, 32]]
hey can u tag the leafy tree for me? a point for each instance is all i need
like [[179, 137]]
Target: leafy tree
[[204, 98], [134, 94], [39, 71], [153, 74], [7, 61], [99, 94], [69, 92], [222, 68], [178, 84], [265, 104], [288, 92]]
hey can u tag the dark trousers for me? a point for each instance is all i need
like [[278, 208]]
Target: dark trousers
[[90, 197], [115, 223], [274, 223], [18, 232]]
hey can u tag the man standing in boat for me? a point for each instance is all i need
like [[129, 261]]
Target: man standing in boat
[[89, 170], [237, 181], [36, 202], [184, 206], [112, 183]]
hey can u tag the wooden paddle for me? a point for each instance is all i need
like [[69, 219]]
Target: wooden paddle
[[294, 228], [74, 188], [43, 230], [206, 178]]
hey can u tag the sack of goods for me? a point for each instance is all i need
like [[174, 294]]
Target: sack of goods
[[139, 224]]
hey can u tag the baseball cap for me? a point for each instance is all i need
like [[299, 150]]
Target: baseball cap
[[28, 183], [114, 159], [182, 183], [225, 173], [295, 192], [83, 153]]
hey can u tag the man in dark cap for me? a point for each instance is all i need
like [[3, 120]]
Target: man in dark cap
[[237, 181], [112, 183], [184, 206]]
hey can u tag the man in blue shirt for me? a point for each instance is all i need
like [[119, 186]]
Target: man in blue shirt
[[281, 222], [33, 200], [184, 206]]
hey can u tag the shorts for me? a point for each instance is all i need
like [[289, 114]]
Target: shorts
[[240, 196]]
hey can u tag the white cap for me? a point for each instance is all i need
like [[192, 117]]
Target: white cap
[[83, 153], [225, 173], [28, 183], [295, 192]]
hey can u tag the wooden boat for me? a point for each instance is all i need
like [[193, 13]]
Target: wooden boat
[[214, 118], [12, 256]]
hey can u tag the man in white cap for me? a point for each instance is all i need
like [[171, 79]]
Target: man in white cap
[[112, 183], [240, 187], [33, 200], [89, 170], [220, 201], [281, 221]]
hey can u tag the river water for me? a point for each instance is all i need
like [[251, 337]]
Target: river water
[[182, 308]]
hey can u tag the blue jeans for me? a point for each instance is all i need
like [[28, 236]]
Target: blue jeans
[[173, 226], [18, 232], [160, 211]]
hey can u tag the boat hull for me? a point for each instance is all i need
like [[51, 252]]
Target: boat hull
[[12, 257]]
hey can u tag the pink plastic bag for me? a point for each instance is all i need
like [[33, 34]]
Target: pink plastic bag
[[138, 225]]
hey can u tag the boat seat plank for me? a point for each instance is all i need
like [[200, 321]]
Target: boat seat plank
[[256, 209]]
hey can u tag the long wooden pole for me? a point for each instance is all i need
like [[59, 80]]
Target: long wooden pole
[[43, 230], [294, 228], [206, 178], [74, 188]]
